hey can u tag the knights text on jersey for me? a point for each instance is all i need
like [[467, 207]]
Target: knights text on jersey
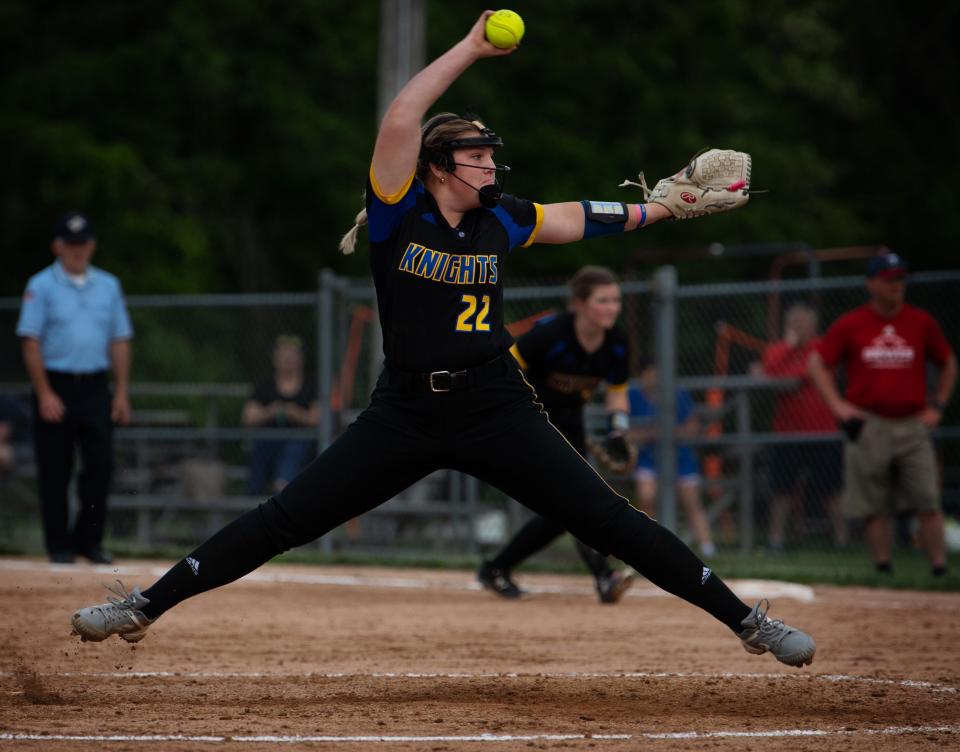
[[440, 288], [563, 373]]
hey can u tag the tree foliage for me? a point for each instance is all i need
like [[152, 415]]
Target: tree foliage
[[222, 145]]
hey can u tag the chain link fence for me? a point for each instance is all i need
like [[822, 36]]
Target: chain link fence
[[183, 466]]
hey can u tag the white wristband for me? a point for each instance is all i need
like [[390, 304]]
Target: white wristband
[[619, 421]]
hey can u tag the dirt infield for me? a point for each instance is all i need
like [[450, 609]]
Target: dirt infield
[[382, 659]]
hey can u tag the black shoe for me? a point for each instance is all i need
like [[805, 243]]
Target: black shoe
[[61, 557], [96, 555], [498, 581]]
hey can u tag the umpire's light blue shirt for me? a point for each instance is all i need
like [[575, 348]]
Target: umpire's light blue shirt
[[75, 324]]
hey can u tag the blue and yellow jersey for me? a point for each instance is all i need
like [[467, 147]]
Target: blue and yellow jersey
[[440, 288], [564, 374]]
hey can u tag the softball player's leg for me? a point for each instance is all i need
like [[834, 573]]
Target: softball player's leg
[[540, 532], [552, 479], [533, 463], [533, 537], [377, 457]]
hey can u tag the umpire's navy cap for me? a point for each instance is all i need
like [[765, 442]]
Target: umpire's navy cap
[[888, 266], [73, 228]]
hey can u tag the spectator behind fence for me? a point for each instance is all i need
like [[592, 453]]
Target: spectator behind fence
[[643, 404], [287, 400], [801, 471], [74, 327], [889, 459]]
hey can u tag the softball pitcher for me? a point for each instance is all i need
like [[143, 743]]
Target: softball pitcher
[[450, 394]]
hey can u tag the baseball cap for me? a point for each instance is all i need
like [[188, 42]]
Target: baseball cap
[[73, 228], [887, 265]]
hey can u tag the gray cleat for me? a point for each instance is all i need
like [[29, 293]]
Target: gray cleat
[[611, 588], [120, 616], [788, 645]]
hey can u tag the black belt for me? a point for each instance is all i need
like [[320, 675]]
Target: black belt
[[77, 378], [447, 381]]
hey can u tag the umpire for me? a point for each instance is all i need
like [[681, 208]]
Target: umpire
[[74, 327]]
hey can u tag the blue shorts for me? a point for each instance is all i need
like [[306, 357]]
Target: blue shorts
[[688, 469]]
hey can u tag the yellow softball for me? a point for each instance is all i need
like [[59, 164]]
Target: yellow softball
[[504, 29]]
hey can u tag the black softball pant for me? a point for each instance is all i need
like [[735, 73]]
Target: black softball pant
[[86, 425], [495, 431], [539, 532]]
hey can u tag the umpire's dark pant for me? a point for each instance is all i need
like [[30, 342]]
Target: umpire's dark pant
[[86, 424]]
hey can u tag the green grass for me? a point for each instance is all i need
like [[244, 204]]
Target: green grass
[[811, 565], [848, 567]]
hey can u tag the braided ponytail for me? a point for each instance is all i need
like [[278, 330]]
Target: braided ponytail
[[348, 243]]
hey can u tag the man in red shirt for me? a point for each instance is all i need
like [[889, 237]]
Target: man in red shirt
[[885, 345], [801, 470]]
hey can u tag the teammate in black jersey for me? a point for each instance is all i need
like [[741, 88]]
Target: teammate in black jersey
[[565, 358], [450, 395]]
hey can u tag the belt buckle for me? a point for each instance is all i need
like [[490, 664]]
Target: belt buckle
[[441, 388]]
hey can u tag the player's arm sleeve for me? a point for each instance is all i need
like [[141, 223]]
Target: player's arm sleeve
[[617, 380], [619, 372], [520, 218], [33, 312], [384, 211]]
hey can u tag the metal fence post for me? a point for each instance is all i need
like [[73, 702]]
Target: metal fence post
[[665, 348], [325, 365], [745, 475]]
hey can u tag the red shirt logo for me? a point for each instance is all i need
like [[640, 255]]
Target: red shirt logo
[[889, 350]]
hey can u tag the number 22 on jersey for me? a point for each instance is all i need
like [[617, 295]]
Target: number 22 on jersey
[[467, 321]]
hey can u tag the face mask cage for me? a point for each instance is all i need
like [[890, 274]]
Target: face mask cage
[[442, 156]]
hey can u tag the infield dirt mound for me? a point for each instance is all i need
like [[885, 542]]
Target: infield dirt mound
[[414, 654]]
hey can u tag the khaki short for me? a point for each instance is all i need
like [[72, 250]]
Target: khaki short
[[890, 467]]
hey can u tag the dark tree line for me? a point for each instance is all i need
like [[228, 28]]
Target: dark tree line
[[222, 145]]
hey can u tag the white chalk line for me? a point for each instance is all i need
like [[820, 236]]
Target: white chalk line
[[302, 739], [833, 678], [749, 589]]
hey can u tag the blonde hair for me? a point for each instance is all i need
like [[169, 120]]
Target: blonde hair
[[441, 128], [348, 243]]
